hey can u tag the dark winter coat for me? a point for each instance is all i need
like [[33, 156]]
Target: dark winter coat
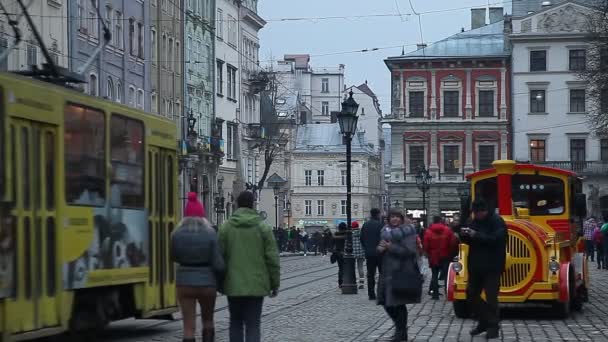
[[370, 236], [487, 249]]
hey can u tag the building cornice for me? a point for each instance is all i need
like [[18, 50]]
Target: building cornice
[[254, 19]]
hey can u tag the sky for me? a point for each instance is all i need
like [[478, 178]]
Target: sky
[[327, 40]]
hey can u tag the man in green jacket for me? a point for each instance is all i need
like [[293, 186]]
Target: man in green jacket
[[252, 268]]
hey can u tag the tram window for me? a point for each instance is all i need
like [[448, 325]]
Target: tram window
[[85, 156], [542, 195], [487, 189], [27, 253], [49, 146], [151, 204], [127, 155], [170, 190], [14, 163], [50, 257], [25, 181]]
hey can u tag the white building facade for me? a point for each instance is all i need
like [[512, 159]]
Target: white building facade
[[550, 101], [50, 19], [370, 115]]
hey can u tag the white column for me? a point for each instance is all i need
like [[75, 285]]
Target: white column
[[433, 96], [468, 166], [434, 166], [469, 90], [503, 97], [503, 145]]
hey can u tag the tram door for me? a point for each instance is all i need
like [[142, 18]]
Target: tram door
[[34, 214], [161, 196]]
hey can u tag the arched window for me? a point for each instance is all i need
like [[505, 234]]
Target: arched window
[[140, 98], [164, 50], [110, 89], [119, 92], [153, 103], [132, 96], [169, 61], [93, 86]]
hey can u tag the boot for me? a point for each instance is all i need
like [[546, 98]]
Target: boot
[[399, 333], [492, 333], [208, 335], [479, 329]]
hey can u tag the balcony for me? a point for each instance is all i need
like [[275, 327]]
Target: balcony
[[205, 146], [582, 168], [255, 131]]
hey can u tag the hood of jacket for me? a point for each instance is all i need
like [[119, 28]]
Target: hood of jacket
[[245, 218], [438, 228]]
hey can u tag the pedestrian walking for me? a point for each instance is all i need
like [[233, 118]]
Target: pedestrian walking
[[252, 268], [337, 256], [305, 239], [400, 282], [195, 248], [327, 241], [370, 238], [487, 240], [316, 238], [438, 240], [598, 241], [589, 227], [358, 253]]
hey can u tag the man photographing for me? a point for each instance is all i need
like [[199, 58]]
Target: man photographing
[[487, 240]]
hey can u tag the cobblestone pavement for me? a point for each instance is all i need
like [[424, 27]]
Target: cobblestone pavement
[[310, 308]]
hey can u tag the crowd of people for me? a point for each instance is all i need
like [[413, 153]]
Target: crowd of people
[[241, 260], [595, 233]]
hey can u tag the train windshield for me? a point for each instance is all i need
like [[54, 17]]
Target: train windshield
[[542, 195]]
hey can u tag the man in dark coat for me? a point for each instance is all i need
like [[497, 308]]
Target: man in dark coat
[[370, 238], [487, 240]]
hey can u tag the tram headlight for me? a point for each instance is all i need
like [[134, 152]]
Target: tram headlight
[[553, 266], [457, 266]]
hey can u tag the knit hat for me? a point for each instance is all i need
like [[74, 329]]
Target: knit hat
[[355, 225], [194, 208]]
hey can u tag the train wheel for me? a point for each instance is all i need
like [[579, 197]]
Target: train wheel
[[461, 309]]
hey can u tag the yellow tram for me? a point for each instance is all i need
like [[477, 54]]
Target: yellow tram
[[542, 208], [88, 198]]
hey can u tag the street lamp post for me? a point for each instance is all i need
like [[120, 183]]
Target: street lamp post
[[288, 207], [423, 182], [276, 182], [347, 119], [220, 201]]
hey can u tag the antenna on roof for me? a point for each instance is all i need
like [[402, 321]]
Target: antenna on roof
[[107, 36], [15, 25], [402, 50]]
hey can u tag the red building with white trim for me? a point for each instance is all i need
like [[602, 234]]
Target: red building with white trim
[[450, 114]]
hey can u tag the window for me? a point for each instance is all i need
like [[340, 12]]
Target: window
[[577, 150], [110, 89], [169, 61], [140, 99], [603, 59], [308, 177], [320, 177], [577, 100], [450, 103], [93, 84], [164, 49], [451, 159], [92, 19], [537, 150], [153, 43], [308, 207], [178, 110], [178, 63], [538, 60], [320, 207], [81, 15], [604, 150], [416, 104], [119, 92], [486, 156], [140, 40], [416, 158], [170, 110], [230, 134], [232, 30], [220, 77], [132, 37], [127, 155], [132, 96], [153, 103], [3, 47], [325, 108], [108, 18], [84, 156], [343, 177], [362, 110], [604, 100], [325, 85], [117, 36], [578, 60], [32, 55], [542, 195], [486, 103], [220, 24], [231, 82], [537, 101], [343, 207]]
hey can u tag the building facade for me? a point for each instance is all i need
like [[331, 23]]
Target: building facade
[[370, 115], [121, 71], [318, 178], [50, 19], [450, 114], [166, 60], [550, 101]]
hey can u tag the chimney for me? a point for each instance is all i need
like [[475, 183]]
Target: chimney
[[478, 18], [496, 14], [421, 46]]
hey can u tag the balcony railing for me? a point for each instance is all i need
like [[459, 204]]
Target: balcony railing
[[255, 131], [438, 177], [205, 145], [582, 168]]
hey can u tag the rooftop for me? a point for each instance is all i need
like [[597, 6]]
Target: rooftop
[[318, 138], [486, 41]]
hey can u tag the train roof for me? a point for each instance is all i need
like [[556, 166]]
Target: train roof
[[524, 166]]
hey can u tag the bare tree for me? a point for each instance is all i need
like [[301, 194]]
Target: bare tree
[[596, 71]]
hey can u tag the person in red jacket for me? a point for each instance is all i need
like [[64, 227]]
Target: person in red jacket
[[437, 244]]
